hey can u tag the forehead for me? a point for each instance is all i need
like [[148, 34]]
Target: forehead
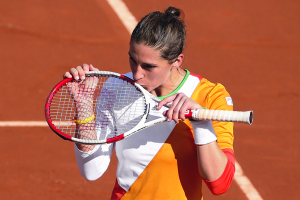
[[142, 51]]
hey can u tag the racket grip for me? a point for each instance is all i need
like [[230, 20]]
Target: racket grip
[[221, 115]]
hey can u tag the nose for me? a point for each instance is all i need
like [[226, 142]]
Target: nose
[[138, 73]]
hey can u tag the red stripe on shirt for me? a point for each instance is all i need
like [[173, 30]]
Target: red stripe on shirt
[[222, 184], [117, 192]]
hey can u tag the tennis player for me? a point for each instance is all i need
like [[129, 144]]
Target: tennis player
[[169, 160]]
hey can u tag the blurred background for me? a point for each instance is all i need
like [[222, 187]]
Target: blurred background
[[251, 47]]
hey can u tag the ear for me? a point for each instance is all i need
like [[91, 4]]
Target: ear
[[176, 64]]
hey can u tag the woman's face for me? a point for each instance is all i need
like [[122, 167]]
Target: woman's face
[[148, 68]]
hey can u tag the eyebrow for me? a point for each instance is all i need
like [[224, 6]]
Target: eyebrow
[[150, 64]]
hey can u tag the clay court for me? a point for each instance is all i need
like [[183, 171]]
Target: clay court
[[251, 47]]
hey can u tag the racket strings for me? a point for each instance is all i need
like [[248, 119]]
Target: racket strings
[[123, 108], [116, 104]]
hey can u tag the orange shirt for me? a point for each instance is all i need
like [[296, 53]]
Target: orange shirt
[[173, 171]]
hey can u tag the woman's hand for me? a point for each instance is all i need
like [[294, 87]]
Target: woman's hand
[[181, 103], [82, 91], [80, 71]]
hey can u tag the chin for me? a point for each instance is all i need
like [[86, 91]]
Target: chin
[[146, 88]]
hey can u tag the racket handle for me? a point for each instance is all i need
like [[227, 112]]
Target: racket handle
[[220, 115]]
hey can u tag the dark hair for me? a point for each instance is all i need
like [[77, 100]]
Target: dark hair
[[162, 31]]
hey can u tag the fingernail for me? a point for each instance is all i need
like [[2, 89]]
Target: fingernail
[[77, 77], [82, 78]]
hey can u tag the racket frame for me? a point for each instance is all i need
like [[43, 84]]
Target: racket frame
[[137, 128], [190, 114], [47, 109]]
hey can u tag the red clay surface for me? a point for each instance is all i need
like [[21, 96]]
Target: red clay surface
[[251, 47]]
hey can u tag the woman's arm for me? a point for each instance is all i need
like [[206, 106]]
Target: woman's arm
[[94, 163], [214, 165], [84, 108], [222, 184], [211, 160], [92, 160]]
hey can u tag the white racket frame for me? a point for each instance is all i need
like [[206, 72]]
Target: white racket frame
[[197, 114]]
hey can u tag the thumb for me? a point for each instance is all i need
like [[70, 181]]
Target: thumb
[[92, 68]]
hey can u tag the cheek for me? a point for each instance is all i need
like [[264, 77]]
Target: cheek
[[159, 77], [162, 75]]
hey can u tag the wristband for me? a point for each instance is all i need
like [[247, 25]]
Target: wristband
[[204, 132], [85, 120]]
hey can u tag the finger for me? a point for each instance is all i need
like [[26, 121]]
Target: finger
[[86, 68], [176, 107], [179, 107], [67, 75], [92, 68], [170, 113], [74, 73], [165, 101], [184, 107], [81, 73]]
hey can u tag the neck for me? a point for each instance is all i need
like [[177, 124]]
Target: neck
[[172, 82]]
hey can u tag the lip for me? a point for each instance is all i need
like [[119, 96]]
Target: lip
[[137, 81], [144, 86]]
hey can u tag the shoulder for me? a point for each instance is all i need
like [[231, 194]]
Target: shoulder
[[203, 83], [209, 88], [212, 95], [213, 88]]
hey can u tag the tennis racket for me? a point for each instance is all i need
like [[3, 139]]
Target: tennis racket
[[107, 107]]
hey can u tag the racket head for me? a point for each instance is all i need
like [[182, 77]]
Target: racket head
[[48, 109], [117, 102]]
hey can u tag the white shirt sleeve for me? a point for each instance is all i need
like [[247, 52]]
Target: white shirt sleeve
[[94, 163]]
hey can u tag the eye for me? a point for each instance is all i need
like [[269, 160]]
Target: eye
[[131, 59], [148, 67]]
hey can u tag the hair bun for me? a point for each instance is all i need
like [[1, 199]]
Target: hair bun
[[172, 11]]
